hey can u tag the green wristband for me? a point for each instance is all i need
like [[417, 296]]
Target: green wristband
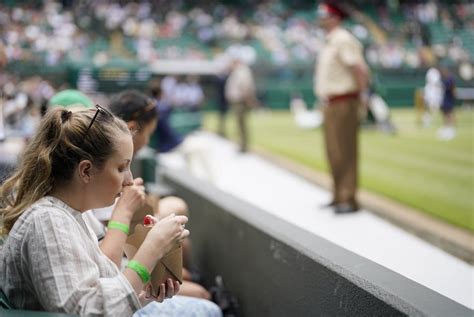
[[119, 226], [140, 269]]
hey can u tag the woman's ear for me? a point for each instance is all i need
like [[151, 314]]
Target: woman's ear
[[84, 169], [132, 126]]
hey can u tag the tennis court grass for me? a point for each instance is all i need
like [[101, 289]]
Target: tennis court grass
[[412, 167]]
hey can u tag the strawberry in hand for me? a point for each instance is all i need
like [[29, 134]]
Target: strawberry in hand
[[149, 221]]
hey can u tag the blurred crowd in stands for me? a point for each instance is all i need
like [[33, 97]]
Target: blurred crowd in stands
[[396, 34], [22, 102], [411, 34], [421, 33]]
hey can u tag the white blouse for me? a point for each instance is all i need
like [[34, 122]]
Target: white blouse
[[51, 261]]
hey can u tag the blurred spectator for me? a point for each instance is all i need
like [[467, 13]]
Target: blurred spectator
[[448, 131], [195, 95], [166, 89], [240, 94], [3, 56], [179, 93], [432, 94], [222, 104], [167, 139], [21, 104]]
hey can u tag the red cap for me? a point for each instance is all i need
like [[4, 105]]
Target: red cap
[[327, 9]]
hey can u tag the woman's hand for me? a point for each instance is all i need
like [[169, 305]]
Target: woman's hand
[[165, 234], [167, 290], [131, 200]]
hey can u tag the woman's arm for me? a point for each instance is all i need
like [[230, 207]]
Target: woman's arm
[[68, 273], [132, 199]]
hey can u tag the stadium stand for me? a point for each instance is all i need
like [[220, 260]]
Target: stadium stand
[[285, 39]]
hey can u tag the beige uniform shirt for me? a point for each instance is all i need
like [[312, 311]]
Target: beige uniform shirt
[[240, 85], [51, 261], [333, 75]]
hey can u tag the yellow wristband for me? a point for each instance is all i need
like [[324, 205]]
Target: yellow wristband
[[119, 226], [140, 269]]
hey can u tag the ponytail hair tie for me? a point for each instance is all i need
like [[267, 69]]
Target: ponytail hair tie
[[65, 115]]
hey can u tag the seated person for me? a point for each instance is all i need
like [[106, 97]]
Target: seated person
[[51, 260], [194, 151]]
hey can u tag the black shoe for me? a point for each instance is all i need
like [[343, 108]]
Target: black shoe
[[345, 208]]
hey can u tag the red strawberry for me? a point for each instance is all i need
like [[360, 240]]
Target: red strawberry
[[149, 220]]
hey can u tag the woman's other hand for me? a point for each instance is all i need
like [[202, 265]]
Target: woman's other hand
[[131, 200], [165, 234], [166, 290]]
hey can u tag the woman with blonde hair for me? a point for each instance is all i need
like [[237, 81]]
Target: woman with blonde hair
[[50, 259]]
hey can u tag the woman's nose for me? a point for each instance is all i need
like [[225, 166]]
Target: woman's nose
[[128, 181]]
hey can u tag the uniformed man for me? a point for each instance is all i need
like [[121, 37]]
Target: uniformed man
[[240, 92], [341, 78]]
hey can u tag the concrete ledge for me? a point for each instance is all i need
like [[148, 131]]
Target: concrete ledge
[[278, 269], [452, 239]]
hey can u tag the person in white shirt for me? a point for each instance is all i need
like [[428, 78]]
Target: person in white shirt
[[195, 93], [432, 94]]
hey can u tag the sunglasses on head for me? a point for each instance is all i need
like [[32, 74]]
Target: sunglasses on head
[[99, 109]]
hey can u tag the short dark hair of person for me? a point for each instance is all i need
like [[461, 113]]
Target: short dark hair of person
[[132, 105]]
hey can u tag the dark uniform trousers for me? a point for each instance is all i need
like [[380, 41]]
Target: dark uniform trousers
[[340, 132], [241, 111]]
